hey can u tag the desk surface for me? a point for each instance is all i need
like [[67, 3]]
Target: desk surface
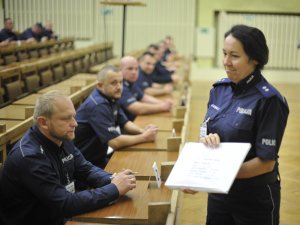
[[73, 82], [84, 76], [139, 161], [63, 88], [28, 100], [13, 112], [160, 143], [162, 123], [131, 208]]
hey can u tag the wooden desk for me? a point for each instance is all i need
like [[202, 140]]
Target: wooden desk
[[134, 207], [84, 76], [162, 123], [139, 161], [28, 100], [175, 96], [14, 112], [67, 90], [73, 82], [160, 143]]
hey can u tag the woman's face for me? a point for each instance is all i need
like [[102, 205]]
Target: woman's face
[[236, 62]]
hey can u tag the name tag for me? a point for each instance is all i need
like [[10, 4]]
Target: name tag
[[71, 187], [203, 128]]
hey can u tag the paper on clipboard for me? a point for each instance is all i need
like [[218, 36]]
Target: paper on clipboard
[[201, 168]]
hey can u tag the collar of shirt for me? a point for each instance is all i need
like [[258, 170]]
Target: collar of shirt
[[110, 100], [126, 83], [247, 83], [45, 141]]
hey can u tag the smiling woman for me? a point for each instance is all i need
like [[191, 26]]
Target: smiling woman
[[240, 109]]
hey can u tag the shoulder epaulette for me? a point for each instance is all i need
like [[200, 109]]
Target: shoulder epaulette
[[268, 91], [222, 81]]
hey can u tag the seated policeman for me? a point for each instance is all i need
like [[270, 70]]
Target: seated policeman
[[7, 35], [162, 73], [37, 185], [133, 100], [100, 118], [144, 81], [33, 34]]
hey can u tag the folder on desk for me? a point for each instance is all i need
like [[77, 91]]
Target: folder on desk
[[206, 169]]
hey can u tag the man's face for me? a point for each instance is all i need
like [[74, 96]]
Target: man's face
[[130, 71], [147, 64], [9, 24], [112, 86], [61, 125]]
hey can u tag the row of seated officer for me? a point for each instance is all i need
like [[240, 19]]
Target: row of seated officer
[[117, 100], [36, 33], [38, 182]]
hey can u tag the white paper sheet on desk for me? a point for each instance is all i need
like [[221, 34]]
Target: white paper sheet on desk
[[201, 168]]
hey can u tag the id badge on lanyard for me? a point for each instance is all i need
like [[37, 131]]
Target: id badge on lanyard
[[203, 128], [70, 187]]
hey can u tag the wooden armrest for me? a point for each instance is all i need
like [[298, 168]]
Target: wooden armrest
[[180, 112], [2, 128], [173, 143], [29, 111], [165, 169], [158, 212]]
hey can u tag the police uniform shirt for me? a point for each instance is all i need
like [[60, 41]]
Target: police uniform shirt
[[144, 80], [98, 118], [161, 75], [7, 34], [28, 33], [130, 95], [36, 179], [250, 111]]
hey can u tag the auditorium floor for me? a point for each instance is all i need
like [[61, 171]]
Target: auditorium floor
[[192, 209]]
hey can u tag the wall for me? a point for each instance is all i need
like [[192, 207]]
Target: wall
[[207, 9]]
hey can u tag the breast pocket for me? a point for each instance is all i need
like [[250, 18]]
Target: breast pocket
[[241, 127]]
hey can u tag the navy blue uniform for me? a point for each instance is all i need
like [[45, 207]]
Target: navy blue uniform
[[28, 33], [98, 118], [161, 75], [7, 34], [130, 95], [144, 80], [250, 111], [35, 179], [49, 34]]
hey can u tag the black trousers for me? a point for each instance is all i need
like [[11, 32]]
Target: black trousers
[[245, 205]]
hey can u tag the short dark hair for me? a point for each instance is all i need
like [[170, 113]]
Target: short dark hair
[[145, 54], [253, 42], [154, 46]]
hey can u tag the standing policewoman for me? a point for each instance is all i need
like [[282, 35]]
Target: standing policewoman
[[245, 108]]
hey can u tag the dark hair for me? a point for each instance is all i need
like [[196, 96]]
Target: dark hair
[[39, 25], [154, 46], [253, 41], [144, 54]]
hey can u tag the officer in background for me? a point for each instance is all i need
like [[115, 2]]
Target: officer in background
[[7, 35], [102, 122], [133, 100]]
